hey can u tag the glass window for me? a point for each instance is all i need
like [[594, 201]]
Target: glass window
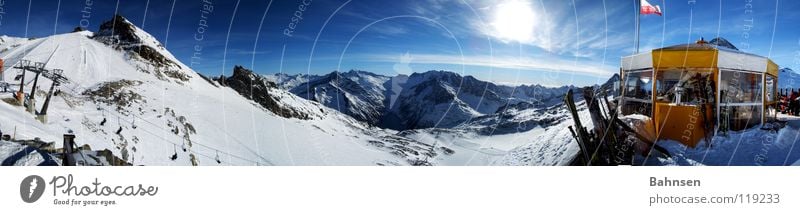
[[639, 85], [737, 118], [741, 100], [638, 93], [740, 87], [684, 86]]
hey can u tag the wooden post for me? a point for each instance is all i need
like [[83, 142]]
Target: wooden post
[[69, 140]]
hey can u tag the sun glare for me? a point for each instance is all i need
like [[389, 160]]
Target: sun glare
[[514, 20]]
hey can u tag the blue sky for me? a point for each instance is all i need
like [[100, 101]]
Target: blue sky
[[547, 42]]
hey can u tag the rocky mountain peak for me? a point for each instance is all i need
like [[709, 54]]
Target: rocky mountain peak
[[120, 28], [722, 42], [239, 72], [258, 89]]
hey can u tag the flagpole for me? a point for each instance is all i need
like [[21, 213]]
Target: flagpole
[[638, 18]]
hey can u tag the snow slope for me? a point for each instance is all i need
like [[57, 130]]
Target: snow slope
[[539, 137], [752, 147]]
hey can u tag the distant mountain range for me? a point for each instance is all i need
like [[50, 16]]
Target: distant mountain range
[[440, 99]]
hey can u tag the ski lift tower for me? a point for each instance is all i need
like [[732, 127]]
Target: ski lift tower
[[36, 67], [23, 64], [57, 76]]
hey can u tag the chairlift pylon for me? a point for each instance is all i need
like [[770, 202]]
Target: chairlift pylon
[[217, 157]]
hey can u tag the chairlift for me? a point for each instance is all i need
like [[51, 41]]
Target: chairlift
[[103, 111], [120, 125], [175, 155]]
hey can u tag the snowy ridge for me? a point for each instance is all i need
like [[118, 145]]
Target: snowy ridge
[[355, 93], [288, 81]]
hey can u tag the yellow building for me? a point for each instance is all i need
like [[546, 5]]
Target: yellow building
[[693, 91]]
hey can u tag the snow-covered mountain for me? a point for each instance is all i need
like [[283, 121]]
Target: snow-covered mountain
[[125, 93], [289, 81], [722, 42], [356, 93], [422, 100], [788, 78], [484, 123]]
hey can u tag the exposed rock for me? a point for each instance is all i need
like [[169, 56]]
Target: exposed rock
[[120, 29], [116, 93], [150, 54], [722, 42], [123, 35], [256, 88]]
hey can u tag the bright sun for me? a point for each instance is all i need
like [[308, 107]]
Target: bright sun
[[514, 21]]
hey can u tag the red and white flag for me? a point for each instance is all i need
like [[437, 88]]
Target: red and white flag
[[647, 8]]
